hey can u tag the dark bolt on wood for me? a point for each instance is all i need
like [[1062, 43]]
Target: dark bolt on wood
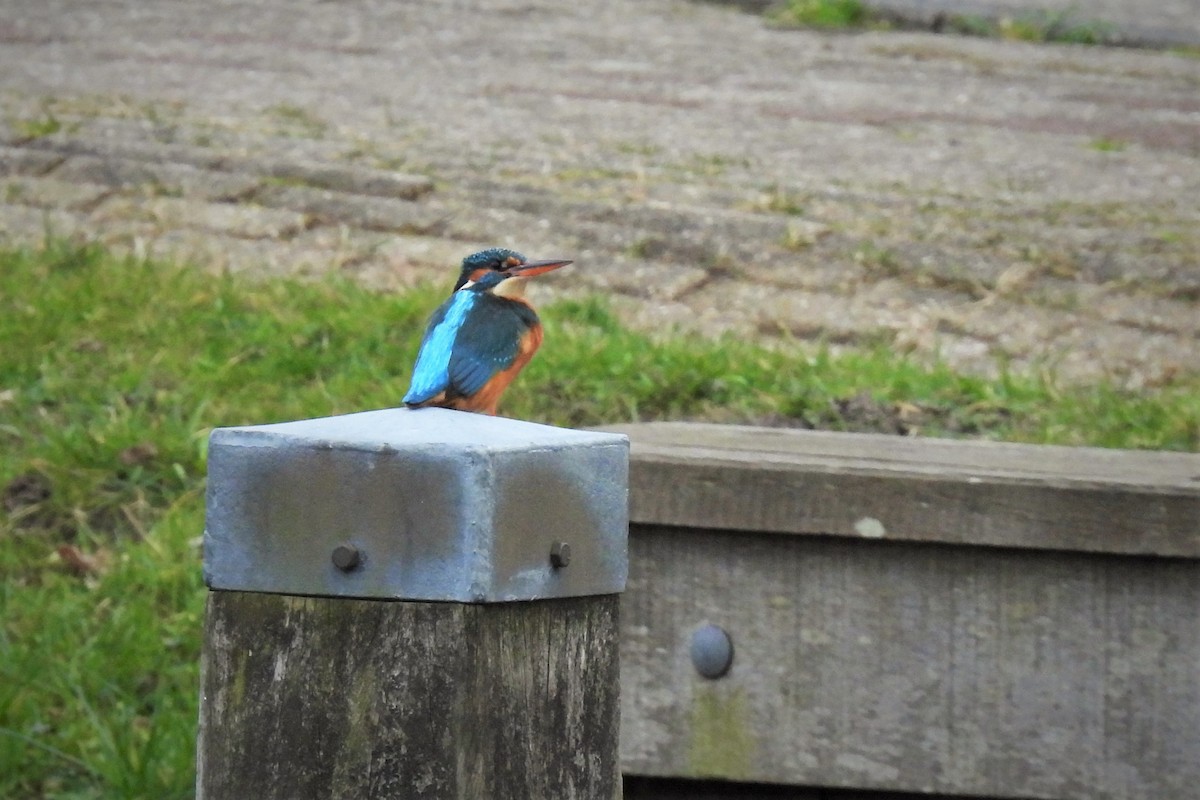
[[560, 555], [346, 557], [711, 651]]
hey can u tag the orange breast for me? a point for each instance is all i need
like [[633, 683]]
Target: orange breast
[[488, 398]]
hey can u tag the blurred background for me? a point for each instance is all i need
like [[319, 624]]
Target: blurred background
[[903, 217], [998, 195]]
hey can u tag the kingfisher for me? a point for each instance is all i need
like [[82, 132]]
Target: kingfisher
[[482, 336]]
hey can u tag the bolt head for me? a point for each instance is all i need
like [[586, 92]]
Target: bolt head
[[712, 651], [560, 555], [346, 557]]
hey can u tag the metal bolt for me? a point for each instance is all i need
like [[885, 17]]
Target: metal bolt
[[560, 555], [346, 557], [712, 651]]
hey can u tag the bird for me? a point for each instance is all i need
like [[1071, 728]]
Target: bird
[[482, 336]]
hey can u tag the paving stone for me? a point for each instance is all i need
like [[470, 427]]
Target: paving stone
[[1154, 314], [133, 149], [813, 270], [224, 253], [28, 226], [503, 227], [645, 279], [158, 178], [51, 193], [21, 161], [391, 276], [389, 261], [305, 256], [370, 213], [349, 179], [666, 318], [1130, 358], [415, 259], [404, 261], [235, 219], [697, 236], [809, 315], [1010, 328], [442, 254]]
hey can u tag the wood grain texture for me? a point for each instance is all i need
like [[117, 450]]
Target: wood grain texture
[[323, 698], [1005, 673], [873, 486]]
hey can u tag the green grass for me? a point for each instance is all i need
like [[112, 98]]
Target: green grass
[[36, 128], [98, 675], [823, 14], [1106, 144], [1030, 26], [113, 371], [1035, 26], [778, 200]]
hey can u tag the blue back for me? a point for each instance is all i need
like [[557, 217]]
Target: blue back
[[431, 374]]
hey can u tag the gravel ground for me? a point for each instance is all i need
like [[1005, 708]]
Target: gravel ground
[[969, 199]]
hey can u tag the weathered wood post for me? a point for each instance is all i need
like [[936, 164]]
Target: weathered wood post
[[412, 604]]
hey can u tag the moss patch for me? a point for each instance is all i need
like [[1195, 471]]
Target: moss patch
[[722, 744]]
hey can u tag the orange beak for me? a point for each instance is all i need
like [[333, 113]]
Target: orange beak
[[531, 268]]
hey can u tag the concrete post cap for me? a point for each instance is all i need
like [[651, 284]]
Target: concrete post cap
[[426, 504]]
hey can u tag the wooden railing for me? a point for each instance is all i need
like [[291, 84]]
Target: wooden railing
[[913, 615]]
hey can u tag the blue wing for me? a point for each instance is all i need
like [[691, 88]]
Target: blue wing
[[488, 341], [431, 374]]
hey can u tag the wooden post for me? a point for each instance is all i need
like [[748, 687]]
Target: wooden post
[[412, 604]]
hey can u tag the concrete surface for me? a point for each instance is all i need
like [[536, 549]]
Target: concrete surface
[[969, 198]]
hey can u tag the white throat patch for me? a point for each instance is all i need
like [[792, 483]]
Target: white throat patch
[[513, 288]]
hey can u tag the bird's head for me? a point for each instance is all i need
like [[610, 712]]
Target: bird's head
[[487, 269]]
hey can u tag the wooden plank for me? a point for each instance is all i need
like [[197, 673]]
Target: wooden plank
[[873, 486], [336, 697], [890, 666]]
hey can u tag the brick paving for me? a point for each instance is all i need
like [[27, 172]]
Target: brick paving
[[966, 199]]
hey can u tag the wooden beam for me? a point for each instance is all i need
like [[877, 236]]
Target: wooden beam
[[888, 487], [952, 618]]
